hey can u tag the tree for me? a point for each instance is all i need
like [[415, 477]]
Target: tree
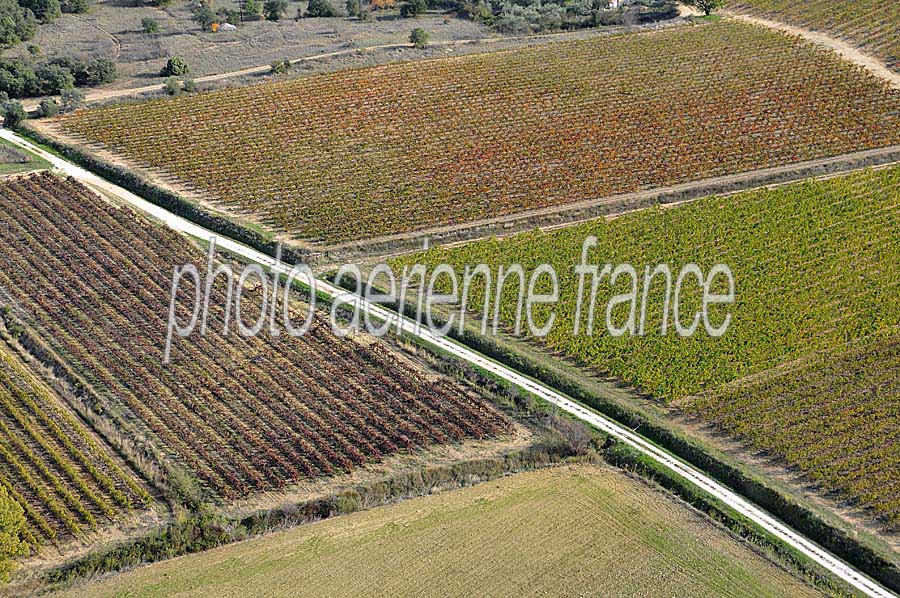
[[419, 37], [175, 67], [189, 86], [44, 10], [149, 25], [48, 108], [353, 8], [205, 16], [98, 72], [253, 10], [320, 8], [13, 114], [275, 9], [74, 6], [54, 78], [70, 100], [12, 522], [708, 6], [413, 8], [17, 24]]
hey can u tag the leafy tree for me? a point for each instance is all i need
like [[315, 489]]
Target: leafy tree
[[175, 67], [353, 8], [44, 10], [54, 78], [320, 8], [74, 6], [275, 9], [280, 67], [419, 37], [708, 6], [149, 25], [70, 100], [17, 24], [253, 10], [413, 8], [12, 522], [13, 114], [49, 108], [205, 16], [97, 72]]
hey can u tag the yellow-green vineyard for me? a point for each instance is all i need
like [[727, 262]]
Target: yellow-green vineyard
[[815, 267]]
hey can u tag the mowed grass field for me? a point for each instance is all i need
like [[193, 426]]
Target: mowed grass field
[[815, 268], [573, 531], [359, 153], [92, 281], [873, 25]]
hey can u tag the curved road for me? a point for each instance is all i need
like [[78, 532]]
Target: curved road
[[775, 527]]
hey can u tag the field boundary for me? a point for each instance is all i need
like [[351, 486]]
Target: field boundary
[[843, 543], [227, 223]]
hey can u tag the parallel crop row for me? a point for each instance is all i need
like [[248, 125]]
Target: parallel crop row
[[873, 25], [397, 148], [241, 413], [836, 417], [815, 267], [65, 480]]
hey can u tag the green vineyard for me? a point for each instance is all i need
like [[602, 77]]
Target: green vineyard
[[815, 267], [66, 481]]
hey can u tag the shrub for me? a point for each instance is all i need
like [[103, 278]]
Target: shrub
[[48, 108], [54, 78], [34, 50], [413, 8], [149, 25], [275, 9], [74, 6], [172, 87], [70, 100], [253, 10], [97, 72], [419, 37], [353, 8], [204, 16], [44, 10], [280, 67], [13, 113], [17, 24], [175, 67], [320, 8]]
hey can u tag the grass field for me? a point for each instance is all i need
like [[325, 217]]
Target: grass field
[[64, 478], [873, 25], [357, 154], [241, 413], [814, 267], [15, 160], [571, 531]]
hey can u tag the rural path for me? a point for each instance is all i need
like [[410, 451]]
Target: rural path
[[776, 528], [848, 51]]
